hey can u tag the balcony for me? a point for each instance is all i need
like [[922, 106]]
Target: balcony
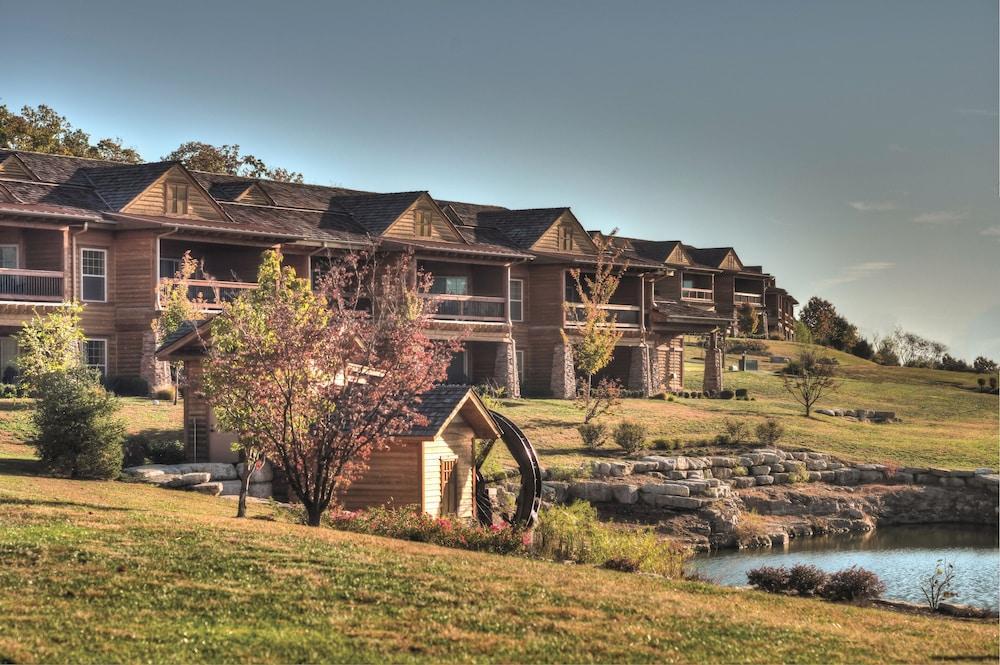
[[698, 295], [452, 307], [748, 298], [625, 316], [210, 294], [31, 285]]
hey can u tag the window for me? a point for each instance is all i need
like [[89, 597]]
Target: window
[[449, 487], [95, 354], [519, 356], [453, 286], [169, 267], [177, 199], [8, 256], [517, 300], [564, 236], [94, 275]]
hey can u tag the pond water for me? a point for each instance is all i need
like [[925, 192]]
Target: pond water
[[902, 556]]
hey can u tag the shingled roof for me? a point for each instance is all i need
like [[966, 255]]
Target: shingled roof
[[332, 225], [523, 227], [121, 183], [55, 194], [465, 213], [62, 169], [377, 212]]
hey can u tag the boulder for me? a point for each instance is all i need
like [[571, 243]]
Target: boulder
[[672, 489], [602, 469], [769, 458], [764, 480], [258, 490], [555, 491], [591, 490], [847, 476], [778, 468], [696, 474], [620, 469], [263, 475], [760, 470], [683, 502], [723, 462], [826, 412], [626, 494], [677, 475], [743, 482], [211, 489], [780, 478], [187, 479], [828, 476], [722, 472]]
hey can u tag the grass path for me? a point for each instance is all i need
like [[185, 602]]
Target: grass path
[[107, 571]]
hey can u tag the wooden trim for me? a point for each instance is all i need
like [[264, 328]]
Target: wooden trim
[[107, 267]]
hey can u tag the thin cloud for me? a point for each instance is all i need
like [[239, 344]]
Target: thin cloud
[[988, 113], [991, 232], [895, 147], [940, 217], [873, 206], [858, 272]]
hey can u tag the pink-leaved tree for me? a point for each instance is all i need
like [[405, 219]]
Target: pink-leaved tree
[[316, 379]]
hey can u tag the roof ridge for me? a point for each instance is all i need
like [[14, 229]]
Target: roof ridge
[[52, 154]]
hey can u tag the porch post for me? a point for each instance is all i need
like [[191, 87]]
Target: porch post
[[713, 364], [563, 381], [638, 372]]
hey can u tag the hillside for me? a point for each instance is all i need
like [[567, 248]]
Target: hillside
[[945, 422], [107, 571]]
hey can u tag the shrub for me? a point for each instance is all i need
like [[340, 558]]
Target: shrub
[[740, 471], [768, 578], [734, 431], [487, 460], [491, 394], [165, 452], [569, 472], [128, 386], [630, 435], [13, 390], [686, 394], [806, 580], [411, 524], [741, 392], [80, 434], [982, 383], [164, 393], [573, 533], [593, 434], [769, 432], [852, 583], [726, 394], [660, 396], [750, 346], [993, 383], [134, 450]]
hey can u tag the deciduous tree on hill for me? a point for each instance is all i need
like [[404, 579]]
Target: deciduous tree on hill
[[315, 381], [227, 159], [810, 378], [41, 129]]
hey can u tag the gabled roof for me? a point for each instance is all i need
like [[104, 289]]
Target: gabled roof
[[377, 212], [656, 250], [332, 225], [62, 169], [55, 194], [523, 227], [465, 213], [121, 183], [440, 405], [187, 332]]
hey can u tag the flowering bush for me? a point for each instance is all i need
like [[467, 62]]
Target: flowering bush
[[410, 524]]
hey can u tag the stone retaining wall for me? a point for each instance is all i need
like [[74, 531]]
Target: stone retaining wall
[[212, 478]]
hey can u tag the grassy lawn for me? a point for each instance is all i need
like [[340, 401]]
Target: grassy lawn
[[107, 571], [945, 421]]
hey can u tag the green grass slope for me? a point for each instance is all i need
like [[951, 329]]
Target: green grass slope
[[945, 422], [113, 572]]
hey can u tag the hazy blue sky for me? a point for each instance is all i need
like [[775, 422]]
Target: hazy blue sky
[[849, 147]]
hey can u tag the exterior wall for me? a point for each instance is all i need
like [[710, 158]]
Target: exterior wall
[[406, 225], [456, 444], [392, 479], [153, 200], [196, 413]]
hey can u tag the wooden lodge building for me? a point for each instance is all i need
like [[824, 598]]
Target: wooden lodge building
[[106, 233]]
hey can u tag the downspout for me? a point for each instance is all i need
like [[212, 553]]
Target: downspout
[[156, 265], [324, 245], [72, 259]]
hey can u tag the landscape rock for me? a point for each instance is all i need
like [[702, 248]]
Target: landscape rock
[[626, 494], [187, 479], [211, 489]]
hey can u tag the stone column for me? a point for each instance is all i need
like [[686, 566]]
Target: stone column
[[155, 372], [673, 370], [505, 369], [638, 371], [563, 382], [713, 364]]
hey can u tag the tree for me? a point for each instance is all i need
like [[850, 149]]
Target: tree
[[177, 307], [954, 364], [809, 379], [818, 316], [885, 350], [227, 159], [317, 381], [863, 349], [41, 129], [595, 345], [50, 343], [748, 319], [984, 365], [80, 434], [802, 333]]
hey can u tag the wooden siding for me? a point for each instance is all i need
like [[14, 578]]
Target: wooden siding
[[456, 444], [731, 262], [254, 194], [14, 168], [549, 241], [406, 225], [153, 200], [679, 256], [392, 479], [196, 409]]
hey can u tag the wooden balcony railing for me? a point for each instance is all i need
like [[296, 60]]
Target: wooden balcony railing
[[625, 316], [751, 298], [702, 295], [468, 308], [31, 285], [209, 294]]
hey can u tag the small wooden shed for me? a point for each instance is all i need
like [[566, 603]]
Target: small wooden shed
[[432, 467]]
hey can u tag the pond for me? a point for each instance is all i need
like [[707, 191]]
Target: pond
[[902, 556]]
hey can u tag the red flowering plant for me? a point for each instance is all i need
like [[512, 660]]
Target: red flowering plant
[[316, 379], [411, 524]]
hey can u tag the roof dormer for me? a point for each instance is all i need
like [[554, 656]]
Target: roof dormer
[[11, 167]]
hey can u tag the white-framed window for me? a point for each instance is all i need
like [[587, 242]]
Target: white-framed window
[[95, 355], [425, 225], [517, 300], [519, 357], [177, 198], [8, 256], [94, 275]]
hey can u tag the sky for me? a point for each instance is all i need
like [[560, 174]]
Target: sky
[[848, 147]]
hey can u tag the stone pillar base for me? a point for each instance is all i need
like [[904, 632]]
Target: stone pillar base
[[638, 371], [713, 365], [505, 369], [563, 383], [155, 372]]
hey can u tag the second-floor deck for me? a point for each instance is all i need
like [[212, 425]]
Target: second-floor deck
[[32, 285]]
